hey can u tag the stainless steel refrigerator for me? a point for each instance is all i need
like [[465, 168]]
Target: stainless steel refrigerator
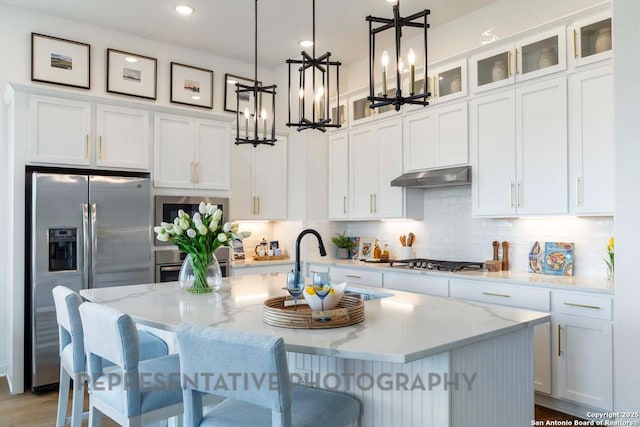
[[85, 231]]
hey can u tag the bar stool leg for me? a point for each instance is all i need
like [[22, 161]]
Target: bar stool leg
[[78, 400], [63, 397]]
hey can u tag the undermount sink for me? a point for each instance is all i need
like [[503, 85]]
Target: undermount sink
[[365, 294]]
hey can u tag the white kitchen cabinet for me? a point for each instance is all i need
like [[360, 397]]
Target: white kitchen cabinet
[[417, 283], [448, 82], [122, 137], [519, 151], [59, 131], [339, 176], [591, 147], [259, 181], [355, 276], [591, 40], [531, 57], [375, 158], [521, 297], [436, 137], [191, 153], [583, 365]]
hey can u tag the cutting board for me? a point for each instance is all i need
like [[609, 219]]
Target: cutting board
[[553, 258]]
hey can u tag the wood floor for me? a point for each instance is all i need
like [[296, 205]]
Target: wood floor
[[39, 410]]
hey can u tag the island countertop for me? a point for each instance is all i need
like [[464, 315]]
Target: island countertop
[[400, 328]]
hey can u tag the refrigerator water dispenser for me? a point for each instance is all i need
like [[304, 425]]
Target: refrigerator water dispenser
[[63, 249]]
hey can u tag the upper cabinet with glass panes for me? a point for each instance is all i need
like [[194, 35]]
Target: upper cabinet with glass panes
[[591, 40], [527, 58], [338, 112], [445, 81]]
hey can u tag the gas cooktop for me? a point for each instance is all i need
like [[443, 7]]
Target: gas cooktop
[[432, 264]]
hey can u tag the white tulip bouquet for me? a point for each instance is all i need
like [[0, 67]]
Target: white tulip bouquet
[[199, 237]]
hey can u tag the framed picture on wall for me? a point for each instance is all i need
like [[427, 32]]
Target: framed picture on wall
[[191, 85], [246, 98], [132, 74], [60, 61]]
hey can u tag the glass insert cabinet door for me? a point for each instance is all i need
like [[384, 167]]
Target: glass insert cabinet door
[[493, 69], [339, 113], [359, 111], [591, 40], [540, 55], [449, 81]]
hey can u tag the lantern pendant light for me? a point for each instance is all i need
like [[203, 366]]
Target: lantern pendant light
[[254, 129], [313, 111], [417, 20]]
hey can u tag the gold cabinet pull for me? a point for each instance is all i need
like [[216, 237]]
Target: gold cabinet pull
[[375, 203], [559, 340], [352, 276], [258, 205], [86, 146], [370, 203], [509, 71], [254, 205], [436, 85], [492, 294], [511, 194], [100, 147], [577, 191], [516, 59], [575, 43], [197, 172], [344, 205], [592, 307]]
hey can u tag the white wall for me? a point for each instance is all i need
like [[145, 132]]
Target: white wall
[[504, 18], [626, 36], [16, 26]]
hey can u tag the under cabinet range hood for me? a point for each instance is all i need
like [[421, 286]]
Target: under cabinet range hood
[[436, 178]]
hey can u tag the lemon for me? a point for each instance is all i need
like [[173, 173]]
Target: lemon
[[310, 291], [331, 291]]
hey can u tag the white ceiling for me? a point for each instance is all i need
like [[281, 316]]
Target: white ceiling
[[225, 27]]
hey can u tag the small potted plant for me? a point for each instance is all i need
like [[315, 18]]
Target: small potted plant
[[344, 244]]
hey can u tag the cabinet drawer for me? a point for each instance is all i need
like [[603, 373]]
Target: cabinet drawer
[[356, 277], [417, 283], [318, 268], [533, 299], [594, 306]]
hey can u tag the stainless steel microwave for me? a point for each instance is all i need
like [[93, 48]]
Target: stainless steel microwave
[[167, 208]]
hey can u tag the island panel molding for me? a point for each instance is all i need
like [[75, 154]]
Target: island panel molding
[[132, 74], [191, 85], [60, 61]]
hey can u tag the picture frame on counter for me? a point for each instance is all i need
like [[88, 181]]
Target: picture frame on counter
[[60, 61], [132, 74], [366, 246], [191, 86], [230, 100]]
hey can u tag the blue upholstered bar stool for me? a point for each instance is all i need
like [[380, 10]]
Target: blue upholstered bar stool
[[133, 392], [206, 354], [72, 356]]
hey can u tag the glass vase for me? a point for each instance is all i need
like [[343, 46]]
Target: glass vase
[[200, 273]]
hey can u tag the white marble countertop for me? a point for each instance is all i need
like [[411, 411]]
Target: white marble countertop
[[592, 284], [401, 328]]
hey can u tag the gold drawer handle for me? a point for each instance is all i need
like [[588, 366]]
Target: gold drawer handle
[[559, 340], [352, 276], [491, 294], [593, 307]]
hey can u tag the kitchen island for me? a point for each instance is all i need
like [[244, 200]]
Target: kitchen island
[[416, 360]]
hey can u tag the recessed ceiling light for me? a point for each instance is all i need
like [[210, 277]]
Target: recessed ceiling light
[[196, 97], [184, 9], [130, 59], [306, 43]]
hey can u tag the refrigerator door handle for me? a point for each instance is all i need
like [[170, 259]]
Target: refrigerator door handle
[[94, 245], [85, 244]]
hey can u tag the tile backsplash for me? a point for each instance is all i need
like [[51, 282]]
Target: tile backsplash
[[448, 232]]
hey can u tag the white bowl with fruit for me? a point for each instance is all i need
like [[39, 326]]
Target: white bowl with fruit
[[330, 301]]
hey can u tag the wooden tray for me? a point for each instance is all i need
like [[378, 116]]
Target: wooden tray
[[270, 258], [349, 311]]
